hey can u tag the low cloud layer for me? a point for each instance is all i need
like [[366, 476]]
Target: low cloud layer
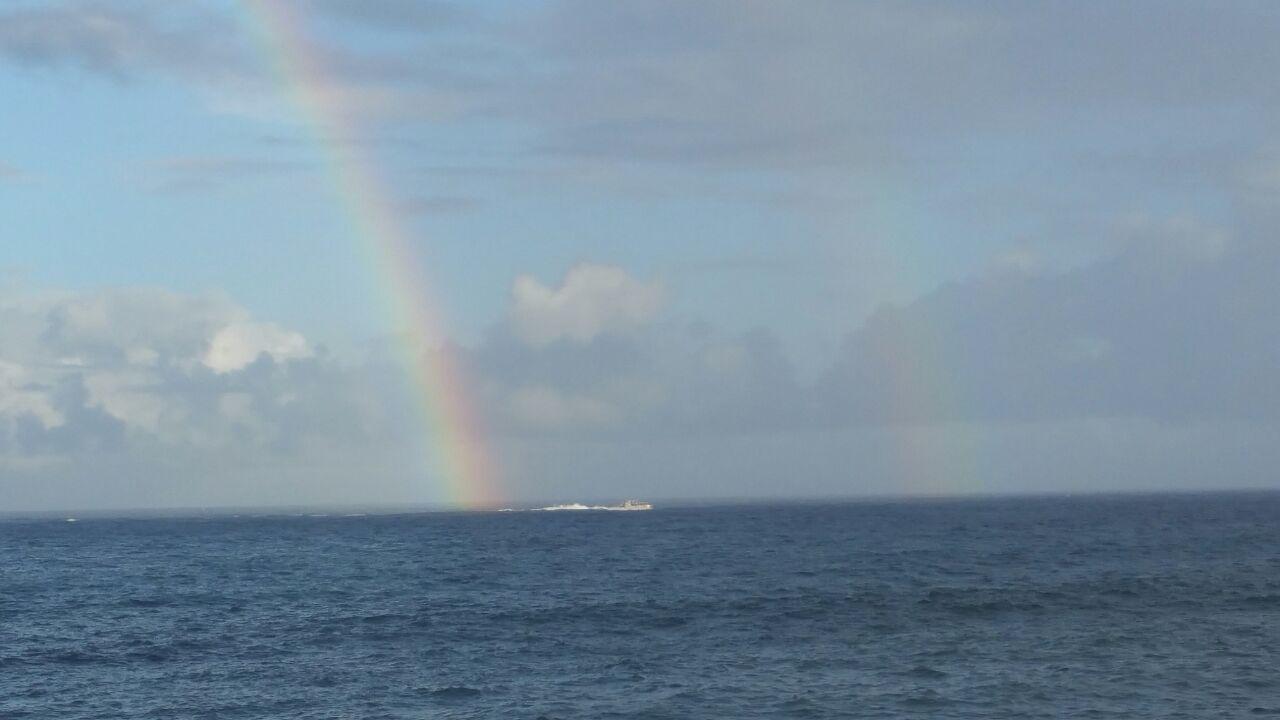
[[1171, 338], [1176, 327], [1157, 367]]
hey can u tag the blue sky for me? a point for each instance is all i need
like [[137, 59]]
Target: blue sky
[[791, 180]]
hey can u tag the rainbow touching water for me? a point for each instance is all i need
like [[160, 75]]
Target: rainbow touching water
[[460, 458]]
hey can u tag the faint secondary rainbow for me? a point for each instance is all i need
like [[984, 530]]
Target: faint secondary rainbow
[[440, 386], [917, 404]]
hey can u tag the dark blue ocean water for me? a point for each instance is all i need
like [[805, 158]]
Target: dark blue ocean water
[[1103, 607]]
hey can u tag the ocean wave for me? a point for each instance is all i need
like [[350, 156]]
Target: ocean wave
[[455, 693]]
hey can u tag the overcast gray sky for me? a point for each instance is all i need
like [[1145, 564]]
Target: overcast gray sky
[[681, 249]]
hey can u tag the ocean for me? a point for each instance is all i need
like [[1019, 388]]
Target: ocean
[[1097, 607]]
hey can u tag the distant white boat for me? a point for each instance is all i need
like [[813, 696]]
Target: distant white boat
[[71, 519], [631, 505]]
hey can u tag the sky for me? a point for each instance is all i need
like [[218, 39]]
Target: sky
[[695, 249]]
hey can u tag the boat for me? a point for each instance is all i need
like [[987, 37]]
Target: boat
[[625, 505], [630, 505]]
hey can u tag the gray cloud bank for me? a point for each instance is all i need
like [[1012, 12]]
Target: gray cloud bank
[[1153, 368], [1179, 327], [824, 84], [122, 39]]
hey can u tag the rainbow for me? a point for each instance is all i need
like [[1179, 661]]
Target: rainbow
[[439, 385]]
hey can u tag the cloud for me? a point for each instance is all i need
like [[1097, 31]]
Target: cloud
[[122, 39], [241, 343], [20, 396], [153, 374], [857, 84], [154, 327], [216, 52], [1154, 367], [1177, 327], [548, 408], [593, 357], [665, 380], [396, 15], [591, 300], [210, 172], [845, 86], [439, 205], [127, 398]]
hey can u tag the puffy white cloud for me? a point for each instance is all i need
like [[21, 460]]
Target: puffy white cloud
[[19, 396], [146, 326], [129, 394], [163, 370], [591, 300], [240, 343]]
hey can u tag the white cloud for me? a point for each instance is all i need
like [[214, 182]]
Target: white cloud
[[19, 397], [134, 398], [591, 300], [161, 369], [137, 325], [129, 396], [239, 344]]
